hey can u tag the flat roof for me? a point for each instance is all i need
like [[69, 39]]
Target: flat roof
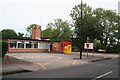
[[29, 39]]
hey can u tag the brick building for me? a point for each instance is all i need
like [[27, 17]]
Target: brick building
[[29, 45], [36, 44]]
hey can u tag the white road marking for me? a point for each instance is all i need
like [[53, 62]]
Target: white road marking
[[59, 57], [44, 65], [74, 61], [84, 62], [41, 65], [102, 75]]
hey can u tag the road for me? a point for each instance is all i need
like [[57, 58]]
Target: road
[[93, 70]]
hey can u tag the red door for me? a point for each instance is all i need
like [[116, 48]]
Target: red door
[[63, 44]]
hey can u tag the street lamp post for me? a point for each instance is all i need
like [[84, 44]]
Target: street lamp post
[[81, 44], [118, 26]]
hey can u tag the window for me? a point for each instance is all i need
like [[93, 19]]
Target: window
[[41, 45], [47, 45], [28, 45], [35, 44], [13, 44], [20, 44], [44, 45]]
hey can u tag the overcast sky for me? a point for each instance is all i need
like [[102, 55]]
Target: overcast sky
[[18, 14]]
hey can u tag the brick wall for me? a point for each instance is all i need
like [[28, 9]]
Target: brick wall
[[20, 50], [56, 47]]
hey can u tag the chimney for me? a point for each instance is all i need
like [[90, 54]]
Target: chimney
[[36, 32]]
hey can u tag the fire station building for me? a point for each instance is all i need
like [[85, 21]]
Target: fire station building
[[36, 44]]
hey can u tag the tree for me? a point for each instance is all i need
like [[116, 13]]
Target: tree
[[59, 30], [8, 33], [107, 20], [98, 24], [88, 29], [49, 32], [118, 43], [20, 35]]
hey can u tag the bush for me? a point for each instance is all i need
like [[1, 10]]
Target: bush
[[3, 48], [114, 49]]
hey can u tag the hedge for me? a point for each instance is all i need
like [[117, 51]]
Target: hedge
[[3, 48]]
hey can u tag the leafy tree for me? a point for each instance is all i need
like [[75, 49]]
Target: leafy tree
[[88, 29], [59, 30], [107, 20], [100, 25], [20, 35], [48, 33], [8, 33], [118, 44]]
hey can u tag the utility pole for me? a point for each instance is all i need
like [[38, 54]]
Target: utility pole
[[81, 43], [118, 26]]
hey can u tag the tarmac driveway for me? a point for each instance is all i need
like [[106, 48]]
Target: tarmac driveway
[[48, 61]]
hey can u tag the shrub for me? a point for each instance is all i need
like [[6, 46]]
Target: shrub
[[3, 48]]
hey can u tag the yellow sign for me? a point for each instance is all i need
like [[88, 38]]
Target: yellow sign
[[68, 49]]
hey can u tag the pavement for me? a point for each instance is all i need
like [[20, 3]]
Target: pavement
[[27, 62], [12, 65]]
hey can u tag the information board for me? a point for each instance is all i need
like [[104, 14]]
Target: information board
[[89, 47]]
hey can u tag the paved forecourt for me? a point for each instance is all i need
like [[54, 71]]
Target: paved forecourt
[[48, 61]]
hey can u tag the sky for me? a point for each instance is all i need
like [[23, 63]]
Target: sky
[[18, 14], [119, 8]]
